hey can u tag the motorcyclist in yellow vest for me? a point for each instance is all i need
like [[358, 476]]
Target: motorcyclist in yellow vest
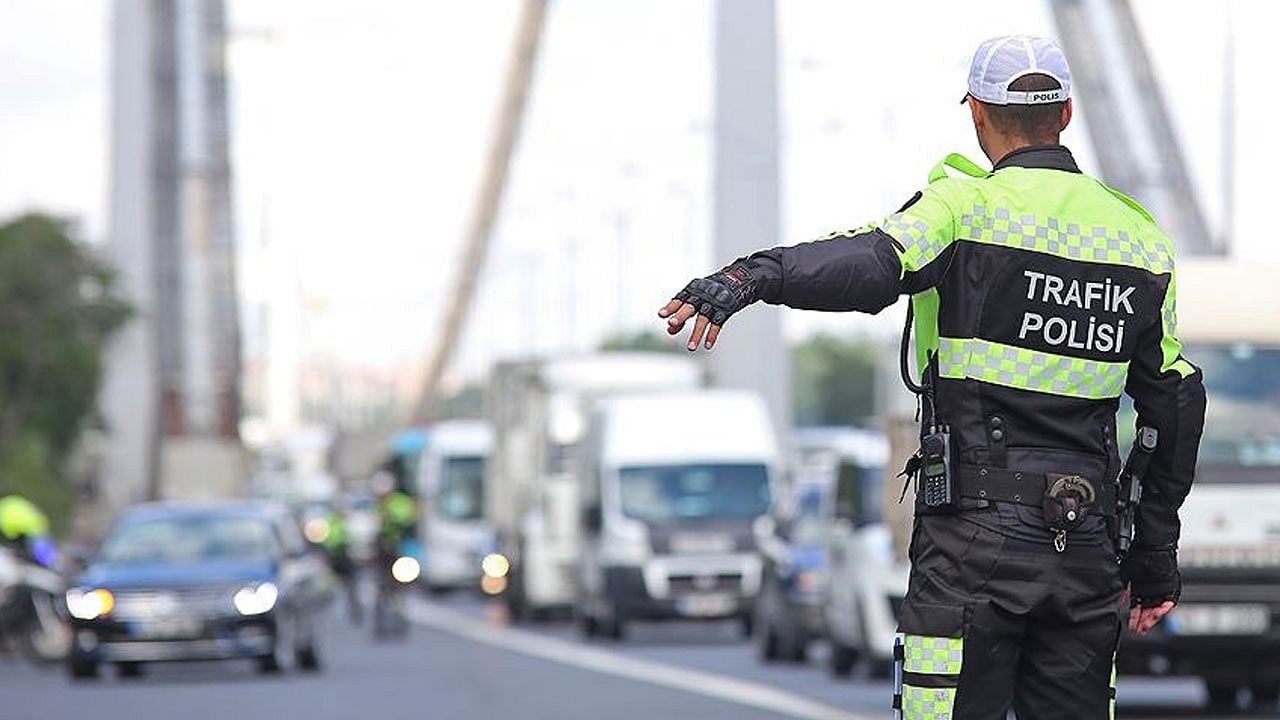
[[337, 547], [24, 527], [1040, 295]]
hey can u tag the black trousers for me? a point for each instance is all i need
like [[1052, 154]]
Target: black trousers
[[992, 622]]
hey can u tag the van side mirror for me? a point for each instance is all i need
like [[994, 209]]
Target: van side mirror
[[592, 518]]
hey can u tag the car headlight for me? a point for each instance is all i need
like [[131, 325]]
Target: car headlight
[[495, 565], [256, 599], [89, 604], [405, 569]]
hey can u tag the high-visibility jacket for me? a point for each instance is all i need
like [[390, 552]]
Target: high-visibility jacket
[[21, 520], [1040, 296]]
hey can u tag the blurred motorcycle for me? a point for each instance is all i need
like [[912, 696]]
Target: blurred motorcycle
[[395, 578], [33, 618]]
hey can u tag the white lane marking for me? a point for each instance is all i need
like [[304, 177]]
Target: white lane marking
[[721, 687]]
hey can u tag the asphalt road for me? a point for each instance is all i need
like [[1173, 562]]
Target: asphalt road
[[459, 663]]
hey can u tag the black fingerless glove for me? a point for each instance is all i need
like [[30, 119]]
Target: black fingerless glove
[[721, 294], [1152, 575]]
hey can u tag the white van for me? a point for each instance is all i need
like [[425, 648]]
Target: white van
[[673, 485], [454, 534]]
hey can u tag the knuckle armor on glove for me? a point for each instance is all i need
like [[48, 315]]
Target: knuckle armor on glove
[[1153, 577], [721, 294]]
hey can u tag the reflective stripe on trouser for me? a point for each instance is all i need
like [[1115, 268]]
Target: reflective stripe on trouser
[[1113, 686], [927, 671], [992, 622]]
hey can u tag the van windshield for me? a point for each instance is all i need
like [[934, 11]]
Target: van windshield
[[461, 493], [672, 493]]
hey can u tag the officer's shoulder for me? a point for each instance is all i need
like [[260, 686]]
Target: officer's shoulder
[[955, 177]]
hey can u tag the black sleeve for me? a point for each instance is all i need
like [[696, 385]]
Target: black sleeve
[[1168, 393], [846, 272]]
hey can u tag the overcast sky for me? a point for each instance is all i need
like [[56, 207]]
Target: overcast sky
[[360, 126]]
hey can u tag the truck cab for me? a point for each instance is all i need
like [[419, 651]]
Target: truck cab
[[454, 534], [669, 507], [538, 409], [1226, 626]]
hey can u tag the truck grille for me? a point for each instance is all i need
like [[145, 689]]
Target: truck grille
[[722, 582]]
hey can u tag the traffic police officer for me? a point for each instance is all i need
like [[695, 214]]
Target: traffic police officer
[[1040, 294], [24, 527]]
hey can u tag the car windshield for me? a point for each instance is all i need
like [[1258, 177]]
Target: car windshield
[[1242, 418], [190, 539], [688, 492], [461, 493]]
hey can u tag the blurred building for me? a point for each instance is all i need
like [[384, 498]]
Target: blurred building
[[171, 396]]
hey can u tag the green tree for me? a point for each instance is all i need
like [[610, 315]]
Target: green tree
[[58, 309], [833, 381], [467, 402], [641, 341]]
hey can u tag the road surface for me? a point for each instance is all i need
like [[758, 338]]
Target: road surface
[[458, 662]]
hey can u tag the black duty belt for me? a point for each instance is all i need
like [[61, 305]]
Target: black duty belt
[[1021, 488]]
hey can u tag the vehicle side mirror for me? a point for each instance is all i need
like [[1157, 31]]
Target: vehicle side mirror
[[592, 518]]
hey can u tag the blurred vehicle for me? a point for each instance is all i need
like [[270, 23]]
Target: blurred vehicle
[[30, 588], [668, 512], [1226, 627], [793, 585], [33, 621], [866, 584], [186, 581], [455, 535], [537, 412]]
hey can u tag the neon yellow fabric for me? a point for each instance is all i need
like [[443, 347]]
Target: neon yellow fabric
[[336, 538], [921, 703], [1026, 209], [992, 362], [932, 655], [20, 518]]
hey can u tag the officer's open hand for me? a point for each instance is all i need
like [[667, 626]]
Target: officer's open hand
[[1154, 585], [712, 299], [1142, 619]]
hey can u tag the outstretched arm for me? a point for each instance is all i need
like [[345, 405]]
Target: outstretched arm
[[863, 270]]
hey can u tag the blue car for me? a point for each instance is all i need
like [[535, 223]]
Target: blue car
[[789, 609], [200, 582]]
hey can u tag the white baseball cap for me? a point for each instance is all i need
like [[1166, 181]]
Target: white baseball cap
[[1002, 60]]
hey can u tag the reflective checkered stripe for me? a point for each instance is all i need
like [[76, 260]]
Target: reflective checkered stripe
[[932, 655], [998, 226], [1112, 705], [921, 242], [929, 672], [999, 364], [927, 703]]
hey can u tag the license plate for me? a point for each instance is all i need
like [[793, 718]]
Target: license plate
[[706, 605], [1219, 620], [161, 628]]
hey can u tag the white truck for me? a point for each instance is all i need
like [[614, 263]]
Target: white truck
[[537, 409], [1226, 627], [672, 486], [450, 485]]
